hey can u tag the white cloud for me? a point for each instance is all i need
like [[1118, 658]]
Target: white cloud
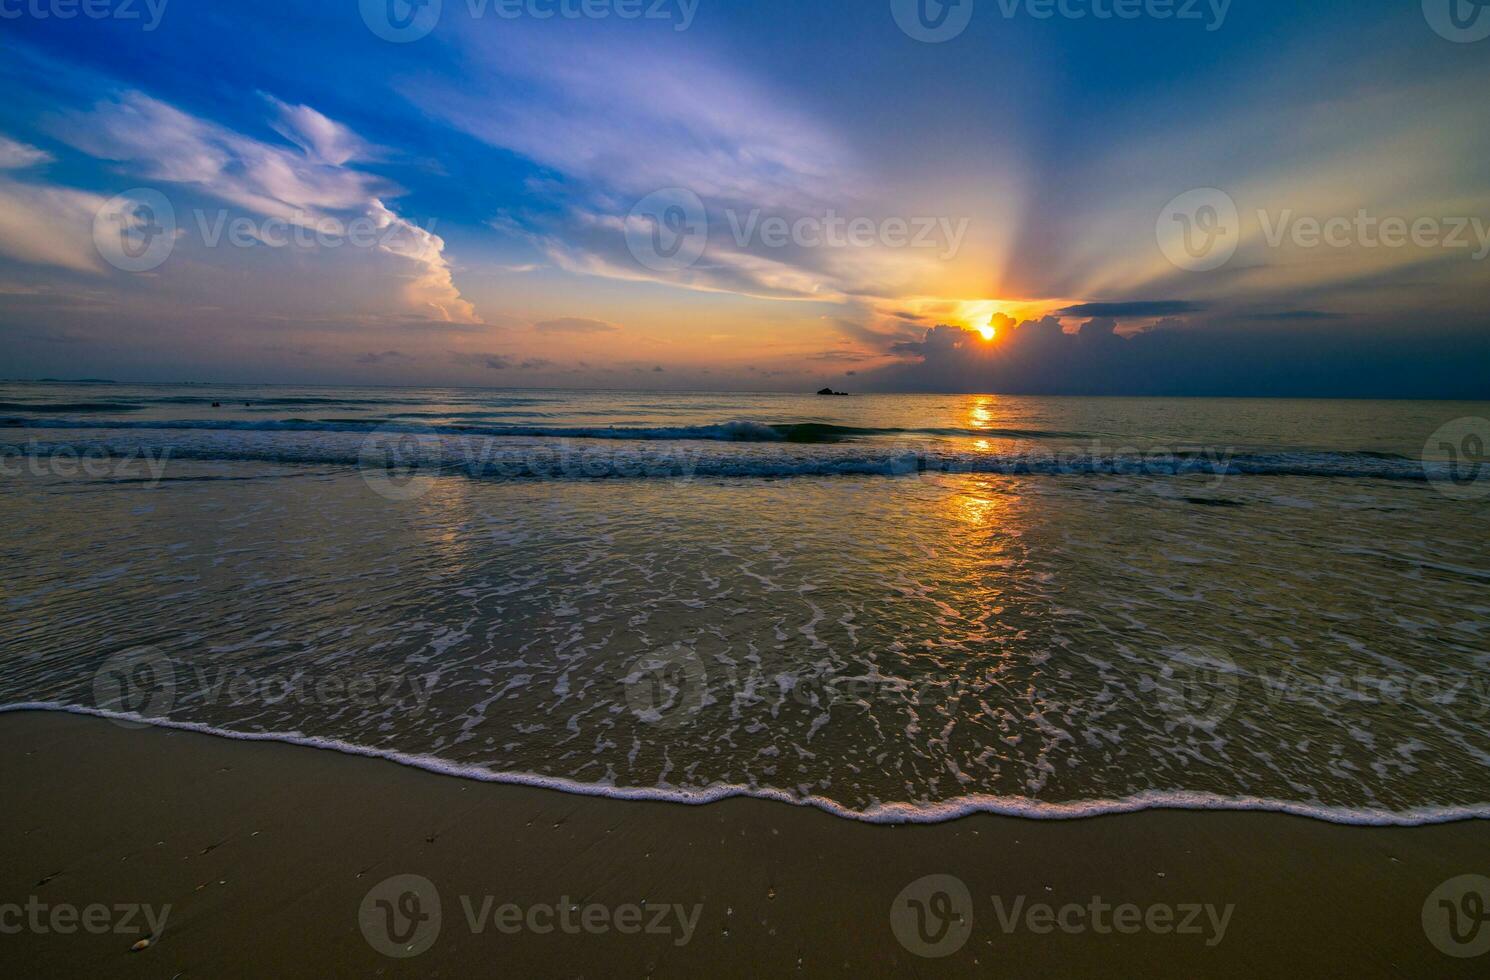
[[634, 120], [53, 226], [322, 139], [619, 120], [307, 187], [433, 289], [15, 155], [163, 143]]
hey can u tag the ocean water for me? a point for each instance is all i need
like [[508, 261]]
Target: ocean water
[[890, 607]]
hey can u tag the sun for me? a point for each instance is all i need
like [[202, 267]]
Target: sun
[[988, 332]]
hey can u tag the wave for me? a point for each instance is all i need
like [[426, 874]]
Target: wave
[[732, 431], [558, 460], [310, 400], [941, 811], [74, 407]]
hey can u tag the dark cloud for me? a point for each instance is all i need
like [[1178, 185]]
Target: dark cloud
[[501, 362], [383, 358], [492, 362], [940, 339], [850, 356], [1218, 358], [1138, 309], [1285, 315]]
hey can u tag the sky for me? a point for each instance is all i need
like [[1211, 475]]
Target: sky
[[1117, 197]]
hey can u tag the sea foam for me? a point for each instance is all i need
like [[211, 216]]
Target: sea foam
[[894, 812]]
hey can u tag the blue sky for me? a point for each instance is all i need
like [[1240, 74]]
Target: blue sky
[[1012, 184]]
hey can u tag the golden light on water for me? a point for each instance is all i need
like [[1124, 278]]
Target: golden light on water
[[980, 416]]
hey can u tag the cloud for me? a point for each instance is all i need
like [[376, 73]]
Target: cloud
[[849, 356], [15, 155], [308, 187], [938, 340], [433, 289], [630, 114], [575, 324], [1295, 315], [162, 143], [610, 119], [322, 139], [896, 329], [52, 226], [384, 357], [1218, 358], [1139, 309]]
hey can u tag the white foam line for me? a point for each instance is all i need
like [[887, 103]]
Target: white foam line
[[888, 813]]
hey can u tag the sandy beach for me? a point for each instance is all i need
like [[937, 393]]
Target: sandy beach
[[265, 854]]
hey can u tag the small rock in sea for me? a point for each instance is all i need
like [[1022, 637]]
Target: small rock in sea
[[217, 404], [141, 945]]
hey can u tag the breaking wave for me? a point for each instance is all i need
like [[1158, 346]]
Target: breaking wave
[[895, 812], [731, 431]]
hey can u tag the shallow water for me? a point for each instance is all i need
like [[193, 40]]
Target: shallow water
[[920, 637]]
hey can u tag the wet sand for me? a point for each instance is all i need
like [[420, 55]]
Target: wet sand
[[265, 853]]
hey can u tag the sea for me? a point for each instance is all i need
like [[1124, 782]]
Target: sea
[[895, 608]]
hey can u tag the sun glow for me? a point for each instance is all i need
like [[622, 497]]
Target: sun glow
[[978, 315]]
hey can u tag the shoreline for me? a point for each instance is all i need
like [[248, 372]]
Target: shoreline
[[267, 853], [891, 814]]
